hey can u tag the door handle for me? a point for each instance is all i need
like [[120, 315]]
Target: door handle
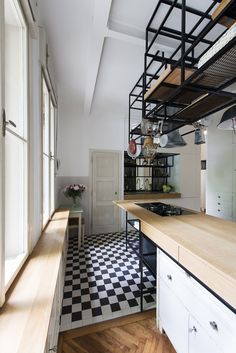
[[5, 122], [116, 193]]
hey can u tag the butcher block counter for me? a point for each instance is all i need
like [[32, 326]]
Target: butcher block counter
[[204, 245]]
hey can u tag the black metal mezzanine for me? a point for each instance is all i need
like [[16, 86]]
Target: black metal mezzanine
[[190, 43]]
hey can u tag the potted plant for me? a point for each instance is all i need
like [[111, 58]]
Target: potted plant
[[74, 191]]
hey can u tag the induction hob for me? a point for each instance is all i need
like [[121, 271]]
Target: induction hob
[[163, 209]]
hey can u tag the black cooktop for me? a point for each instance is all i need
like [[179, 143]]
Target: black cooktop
[[163, 209]]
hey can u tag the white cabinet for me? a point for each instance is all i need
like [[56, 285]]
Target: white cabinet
[[173, 318], [193, 318], [54, 325], [199, 341], [221, 164]]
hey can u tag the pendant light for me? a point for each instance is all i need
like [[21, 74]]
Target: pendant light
[[199, 136], [172, 139], [228, 120]]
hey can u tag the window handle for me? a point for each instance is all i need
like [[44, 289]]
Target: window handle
[[5, 122]]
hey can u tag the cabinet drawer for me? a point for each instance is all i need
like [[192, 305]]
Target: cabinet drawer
[[173, 318], [199, 341], [224, 196], [216, 319], [174, 276]]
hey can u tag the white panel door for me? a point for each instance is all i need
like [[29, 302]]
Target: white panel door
[[173, 318], [105, 189]]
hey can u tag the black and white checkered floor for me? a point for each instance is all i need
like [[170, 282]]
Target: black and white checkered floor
[[102, 281]]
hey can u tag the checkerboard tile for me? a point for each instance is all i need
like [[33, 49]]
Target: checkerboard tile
[[102, 281]]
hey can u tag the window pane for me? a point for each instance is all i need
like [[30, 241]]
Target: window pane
[[16, 189], [52, 160], [45, 189], [15, 68], [15, 200], [52, 128], [45, 119]]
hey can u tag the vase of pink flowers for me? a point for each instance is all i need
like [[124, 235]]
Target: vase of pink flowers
[[74, 191]]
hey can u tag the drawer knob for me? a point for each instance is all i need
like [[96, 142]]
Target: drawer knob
[[214, 325], [169, 277], [193, 329]]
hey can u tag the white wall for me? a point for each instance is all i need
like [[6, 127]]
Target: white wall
[[78, 134], [189, 172]]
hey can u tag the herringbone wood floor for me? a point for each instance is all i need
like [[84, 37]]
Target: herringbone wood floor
[[131, 334]]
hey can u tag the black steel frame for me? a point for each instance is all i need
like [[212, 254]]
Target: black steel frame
[[187, 42], [141, 255]]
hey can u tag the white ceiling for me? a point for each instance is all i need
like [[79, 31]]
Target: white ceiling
[[98, 48]]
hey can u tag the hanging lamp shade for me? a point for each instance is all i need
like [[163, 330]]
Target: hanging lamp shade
[[228, 120], [172, 139], [199, 136]]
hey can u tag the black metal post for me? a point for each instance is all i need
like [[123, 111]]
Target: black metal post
[[126, 230], [183, 30], [141, 267], [129, 120]]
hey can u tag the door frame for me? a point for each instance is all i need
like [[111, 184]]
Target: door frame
[[2, 197], [120, 181]]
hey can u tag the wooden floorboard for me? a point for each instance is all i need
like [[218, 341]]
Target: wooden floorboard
[[130, 334]]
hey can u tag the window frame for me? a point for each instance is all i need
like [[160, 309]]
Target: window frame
[[45, 78], [25, 138]]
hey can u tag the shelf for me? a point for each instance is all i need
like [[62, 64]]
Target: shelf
[[135, 223], [209, 65], [167, 83], [229, 16]]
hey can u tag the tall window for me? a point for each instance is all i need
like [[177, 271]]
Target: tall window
[[48, 153], [52, 157], [16, 140]]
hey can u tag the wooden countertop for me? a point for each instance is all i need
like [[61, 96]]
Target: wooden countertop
[[25, 316], [203, 244], [151, 195]]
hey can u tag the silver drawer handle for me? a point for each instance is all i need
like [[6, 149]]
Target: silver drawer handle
[[169, 277], [193, 329], [214, 325]]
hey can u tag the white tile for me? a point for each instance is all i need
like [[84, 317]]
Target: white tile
[[102, 294], [109, 286], [68, 289], [112, 299], [85, 298], [65, 322], [84, 285], [129, 295], [105, 276], [67, 301], [86, 314], [95, 303], [76, 293], [76, 324], [118, 291], [106, 310], [76, 307]]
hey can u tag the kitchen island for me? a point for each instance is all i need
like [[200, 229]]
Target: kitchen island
[[196, 277], [204, 245]]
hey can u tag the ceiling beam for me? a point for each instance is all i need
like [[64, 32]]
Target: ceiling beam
[[125, 37], [98, 33]]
